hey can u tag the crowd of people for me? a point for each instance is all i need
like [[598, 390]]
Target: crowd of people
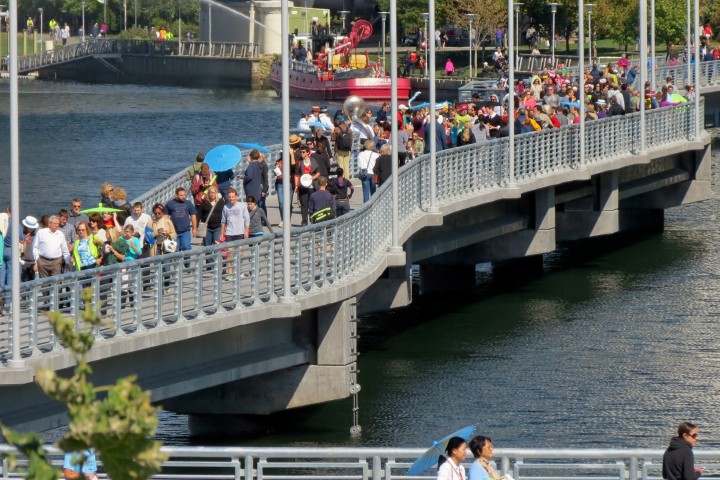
[[319, 168], [678, 462]]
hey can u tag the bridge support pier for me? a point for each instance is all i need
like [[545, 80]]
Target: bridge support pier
[[594, 215], [246, 405]]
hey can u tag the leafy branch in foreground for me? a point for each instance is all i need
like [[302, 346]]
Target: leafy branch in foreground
[[118, 420]]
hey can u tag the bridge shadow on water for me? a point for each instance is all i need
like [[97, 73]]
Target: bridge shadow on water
[[397, 346]]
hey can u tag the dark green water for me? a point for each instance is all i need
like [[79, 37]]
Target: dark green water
[[612, 347]]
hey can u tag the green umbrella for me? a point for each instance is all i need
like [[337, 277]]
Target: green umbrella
[[101, 209]]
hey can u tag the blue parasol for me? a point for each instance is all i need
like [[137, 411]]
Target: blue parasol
[[412, 99], [317, 124], [438, 106], [223, 158], [256, 146], [430, 457]]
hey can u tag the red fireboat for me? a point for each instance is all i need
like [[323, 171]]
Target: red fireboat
[[337, 73]]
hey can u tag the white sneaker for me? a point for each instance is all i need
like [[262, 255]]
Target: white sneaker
[[280, 225]]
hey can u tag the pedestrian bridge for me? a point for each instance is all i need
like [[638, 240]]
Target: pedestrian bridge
[[220, 349], [102, 49]]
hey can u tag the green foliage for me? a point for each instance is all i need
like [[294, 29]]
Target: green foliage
[[118, 420], [135, 34]]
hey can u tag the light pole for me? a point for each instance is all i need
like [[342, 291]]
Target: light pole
[[516, 8], [433, 120], [697, 74], [395, 246], [384, 17], [512, 38], [16, 360], [179, 29], [643, 72], [135, 25], [305, 25], [343, 14], [553, 9], [581, 99], [210, 31], [426, 16], [652, 44], [688, 40], [42, 44], [589, 7], [125, 15], [83, 21], [470, 17], [3, 15]]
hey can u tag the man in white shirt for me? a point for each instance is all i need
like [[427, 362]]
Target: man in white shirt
[[50, 249], [139, 221]]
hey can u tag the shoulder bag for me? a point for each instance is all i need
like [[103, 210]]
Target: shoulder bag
[[202, 226]]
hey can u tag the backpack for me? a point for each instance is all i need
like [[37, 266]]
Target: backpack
[[322, 215]]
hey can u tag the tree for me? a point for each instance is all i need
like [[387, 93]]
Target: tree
[[117, 420]]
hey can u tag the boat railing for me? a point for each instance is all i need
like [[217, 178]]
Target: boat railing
[[305, 67], [160, 291], [303, 463]]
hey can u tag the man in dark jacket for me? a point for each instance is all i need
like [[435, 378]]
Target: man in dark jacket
[[678, 460]]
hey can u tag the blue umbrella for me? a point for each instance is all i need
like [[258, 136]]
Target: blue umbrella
[[317, 124], [256, 146], [223, 157], [430, 457]]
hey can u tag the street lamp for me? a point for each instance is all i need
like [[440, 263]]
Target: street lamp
[[40, 11], [516, 7], [343, 14], [425, 34], [83, 21], [589, 7], [384, 17], [179, 29], [652, 43], [470, 17], [125, 15], [210, 28], [553, 9]]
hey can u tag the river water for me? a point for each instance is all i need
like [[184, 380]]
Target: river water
[[612, 347]]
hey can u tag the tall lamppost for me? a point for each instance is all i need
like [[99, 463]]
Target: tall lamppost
[[210, 33], [42, 44], [553, 9], [135, 24], [688, 46], [512, 38], [470, 17], [652, 44], [83, 21], [343, 14], [15, 360], [589, 7], [516, 7], [179, 28], [384, 17], [425, 34], [125, 15]]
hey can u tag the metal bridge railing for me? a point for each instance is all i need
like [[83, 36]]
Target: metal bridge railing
[[160, 291], [257, 463], [105, 46]]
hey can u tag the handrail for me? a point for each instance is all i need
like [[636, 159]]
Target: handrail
[[160, 291], [376, 463], [113, 46]]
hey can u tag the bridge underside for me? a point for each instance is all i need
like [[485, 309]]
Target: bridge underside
[[518, 231]]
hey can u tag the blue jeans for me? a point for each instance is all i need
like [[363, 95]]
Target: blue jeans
[[183, 241], [6, 272], [279, 189], [2, 277], [212, 236], [368, 188]]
